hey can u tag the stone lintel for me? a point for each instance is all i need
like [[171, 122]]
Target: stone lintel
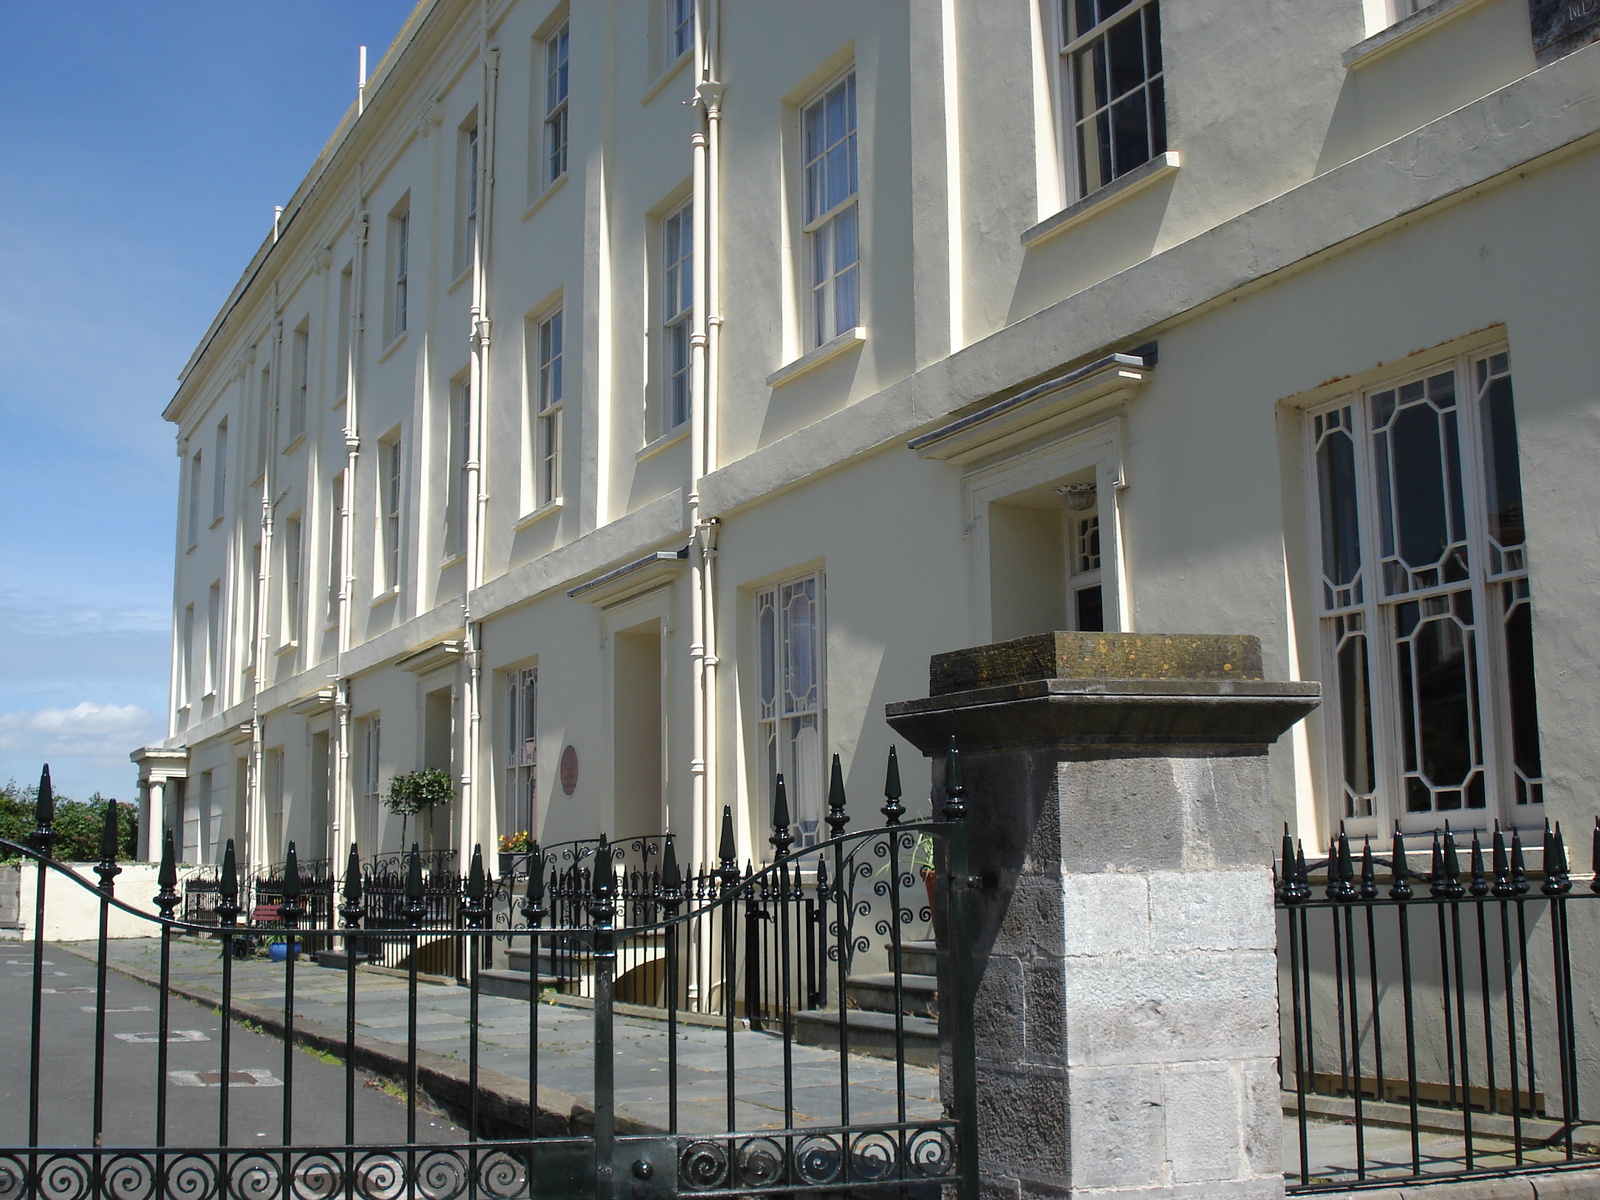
[[1149, 656]]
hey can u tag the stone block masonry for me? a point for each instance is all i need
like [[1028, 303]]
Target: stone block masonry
[[1121, 822]]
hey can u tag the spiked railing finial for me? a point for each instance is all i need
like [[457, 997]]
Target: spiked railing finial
[[228, 909], [415, 908], [836, 818], [1502, 885], [781, 838], [955, 805], [1479, 885], [1369, 872], [671, 877], [44, 814], [107, 868], [290, 911], [1293, 887], [476, 888], [1556, 880], [892, 810], [167, 877], [351, 909], [533, 899], [1400, 885], [727, 866]]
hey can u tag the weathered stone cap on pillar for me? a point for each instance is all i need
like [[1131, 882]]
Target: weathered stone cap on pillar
[[1104, 689]]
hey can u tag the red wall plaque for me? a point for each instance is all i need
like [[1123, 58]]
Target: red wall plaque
[[569, 770]]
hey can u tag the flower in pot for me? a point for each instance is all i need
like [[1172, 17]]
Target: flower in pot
[[416, 792], [511, 846]]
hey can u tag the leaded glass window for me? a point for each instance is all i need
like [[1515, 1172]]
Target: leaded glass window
[[1427, 632]]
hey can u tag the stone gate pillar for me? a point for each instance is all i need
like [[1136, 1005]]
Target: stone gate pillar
[[1121, 831]]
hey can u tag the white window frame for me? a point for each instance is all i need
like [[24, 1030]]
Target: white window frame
[[391, 508], [832, 227], [680, 28], [677, 316], [195, 469], [219, 473], [519, 798], [458, 456], [1077, 41], [556, 131], [548, 377], [213, 664], [371, 786], [469, 195], [299, 383], [791, 726], [293, 578], [399, 270], [185, 657], [1366, 608], [335, 547]]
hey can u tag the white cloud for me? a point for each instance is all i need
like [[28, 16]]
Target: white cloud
[[86, 745]]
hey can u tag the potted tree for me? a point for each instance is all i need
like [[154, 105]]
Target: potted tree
[[416, 792]]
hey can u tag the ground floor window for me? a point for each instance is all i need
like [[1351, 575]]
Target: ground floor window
[[789, 624], [519, 799], [1425, 597]]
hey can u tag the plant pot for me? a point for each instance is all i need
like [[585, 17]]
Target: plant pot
[[279, 951], [508, 862]]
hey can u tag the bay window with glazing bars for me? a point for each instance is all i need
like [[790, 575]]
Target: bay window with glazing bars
[[832, 187], [1115, 90], [1425, 599]]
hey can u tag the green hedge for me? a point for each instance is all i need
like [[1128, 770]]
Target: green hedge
[[77, 825]]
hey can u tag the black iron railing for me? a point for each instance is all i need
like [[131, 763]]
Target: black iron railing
[[1428, 1018], [744, 1127]]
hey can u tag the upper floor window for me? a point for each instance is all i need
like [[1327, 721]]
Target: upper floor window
[[300, 364], [194, 497], [459, 485], [399, 270], [682, 14], [467, 192], [264, 420], [790, 703], [344, 318], [335, 548], [213, 638], [185, 657], [555, 106], [391, 491], [292, 565], [371, 781], [547, 411], [1425, 599], [828, 148], [219, 472], [1111, 77], [677, 307]]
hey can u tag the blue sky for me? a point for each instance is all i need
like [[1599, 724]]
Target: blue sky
[[143, 144]]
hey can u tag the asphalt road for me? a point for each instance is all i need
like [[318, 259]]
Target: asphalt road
[[257, 1095]]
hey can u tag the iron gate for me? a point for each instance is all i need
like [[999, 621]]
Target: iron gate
[[816, 1129]]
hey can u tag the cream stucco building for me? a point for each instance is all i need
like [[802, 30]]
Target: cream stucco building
[[637, 392]]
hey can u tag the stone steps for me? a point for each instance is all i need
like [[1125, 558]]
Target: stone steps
[[871, 1033]]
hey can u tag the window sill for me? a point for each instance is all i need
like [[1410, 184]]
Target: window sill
[[537, 515], [190, 548], [295, 443], [813, 359], [1119, 189], [452, 560], [384, 596], [667, 76], [1402, 32], [216, 520], [399, 340], [550, 189], [466, 274], [667, 440], [287, 648]]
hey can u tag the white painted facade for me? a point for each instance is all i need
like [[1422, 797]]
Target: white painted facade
[[1341, 198]]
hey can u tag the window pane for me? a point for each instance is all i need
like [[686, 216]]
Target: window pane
[[1336, 480], [1125, 55], [847, 301], [1438, 698], [1090, 609], [1501, 472], [1130, 132], [1355, 720], [1152, 38], [845, 250], [1525, 758]]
